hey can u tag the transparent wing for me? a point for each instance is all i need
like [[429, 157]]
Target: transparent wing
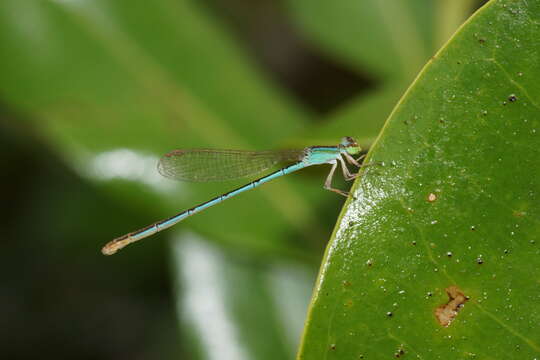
[[203, 165]]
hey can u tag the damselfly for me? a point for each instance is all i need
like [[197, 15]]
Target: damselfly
[[201, 165]]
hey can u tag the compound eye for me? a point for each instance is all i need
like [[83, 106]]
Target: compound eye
[[346, 141]]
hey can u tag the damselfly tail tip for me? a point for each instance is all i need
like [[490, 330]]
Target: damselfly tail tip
[[108, 250], [113, 246]]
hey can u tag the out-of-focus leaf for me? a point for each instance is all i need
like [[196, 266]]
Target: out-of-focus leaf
[[448, 16], [362, 118], [393, 39], [454, 209], [237, 308], [160, 72]]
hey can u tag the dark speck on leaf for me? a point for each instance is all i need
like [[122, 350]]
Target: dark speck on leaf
[[389, 314], [479, 261], [369, 262], [512, 98]]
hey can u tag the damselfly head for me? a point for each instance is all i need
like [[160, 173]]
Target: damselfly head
[[350, 145]]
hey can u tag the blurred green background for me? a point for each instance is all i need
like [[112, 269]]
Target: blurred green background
[[93, 92]]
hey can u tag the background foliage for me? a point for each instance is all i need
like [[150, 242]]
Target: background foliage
[[94, 91]]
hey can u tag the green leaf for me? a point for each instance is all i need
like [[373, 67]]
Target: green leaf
[[456, 204]]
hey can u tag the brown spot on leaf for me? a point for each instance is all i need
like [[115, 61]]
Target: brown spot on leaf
[[432, 197], [445, 314]]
